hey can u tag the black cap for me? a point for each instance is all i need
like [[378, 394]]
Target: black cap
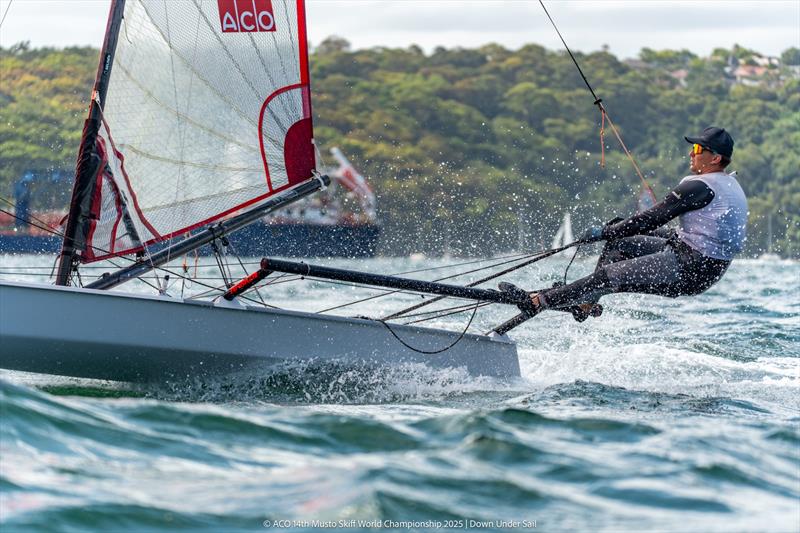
[[715, 139]]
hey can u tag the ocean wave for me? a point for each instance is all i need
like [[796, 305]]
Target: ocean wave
[[138, 463]]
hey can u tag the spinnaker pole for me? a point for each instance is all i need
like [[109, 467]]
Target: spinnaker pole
[[88, 165]]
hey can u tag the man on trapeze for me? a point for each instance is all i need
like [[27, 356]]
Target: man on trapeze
[[641, 256]]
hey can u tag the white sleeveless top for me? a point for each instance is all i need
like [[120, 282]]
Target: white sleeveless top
[[719, 229]]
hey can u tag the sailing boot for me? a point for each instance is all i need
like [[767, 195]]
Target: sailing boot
[[579, 312], [582, 311], [532, 304], [529, 302]]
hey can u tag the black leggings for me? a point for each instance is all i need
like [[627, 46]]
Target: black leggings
[[661, 265]]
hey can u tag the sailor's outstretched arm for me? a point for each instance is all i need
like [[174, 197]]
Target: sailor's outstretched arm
[[688, 196]]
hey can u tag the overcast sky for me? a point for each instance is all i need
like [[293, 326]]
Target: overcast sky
[[768, 26]]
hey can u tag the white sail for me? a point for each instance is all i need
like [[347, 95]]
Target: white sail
[[568, 237], [564, 234], [208, 112]]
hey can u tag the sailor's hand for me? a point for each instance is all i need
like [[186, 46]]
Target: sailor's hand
[[593, 234], [607, 230]]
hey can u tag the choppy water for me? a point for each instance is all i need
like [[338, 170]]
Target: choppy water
[[662, 415]]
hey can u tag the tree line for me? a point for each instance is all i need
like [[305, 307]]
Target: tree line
[[480, 150]]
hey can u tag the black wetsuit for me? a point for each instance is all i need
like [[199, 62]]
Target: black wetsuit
[[640, 257]]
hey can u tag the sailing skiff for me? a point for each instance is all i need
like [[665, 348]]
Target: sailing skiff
[[200, 123], [138, 338]]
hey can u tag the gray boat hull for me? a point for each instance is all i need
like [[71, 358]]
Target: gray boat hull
[[125, 337]]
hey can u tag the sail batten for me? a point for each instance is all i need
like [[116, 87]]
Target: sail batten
[[207, 113], [189, 163], [188, 119]]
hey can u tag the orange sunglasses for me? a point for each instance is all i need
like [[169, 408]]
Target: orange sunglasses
[[698, 149]]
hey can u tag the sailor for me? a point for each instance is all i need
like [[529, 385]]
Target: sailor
[[643, 257]]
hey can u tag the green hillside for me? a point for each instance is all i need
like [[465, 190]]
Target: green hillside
[[463, 144]]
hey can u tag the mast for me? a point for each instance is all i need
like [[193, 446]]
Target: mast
[[87, 167]]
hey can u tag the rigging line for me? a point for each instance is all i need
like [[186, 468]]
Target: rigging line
[[186, 276], [444, 314], [44, 225], [220, 266], [262, 302], [57, 234], [185, 268], [111, 262], [6, 13], [577, 249], [511, 258], [142, 279], [227, 262], [537, 257], [320, 159], [23, 273], [176, 274], [630, 156], [501, 263], [244, 269], [280, 279], [439, 279], [222, 290], [54, 267], [442, 309], [161, 268], [89, 266], [432, 314], [84, 267], [599, 103], [211, 290], [362, 300], [432, 352], [361, 286], [29, 223], [447, 310], [206, 285]]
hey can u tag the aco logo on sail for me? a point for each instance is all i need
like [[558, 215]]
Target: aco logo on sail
[[246, 15]]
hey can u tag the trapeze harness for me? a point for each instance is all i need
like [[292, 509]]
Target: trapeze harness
[[640, 257]]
